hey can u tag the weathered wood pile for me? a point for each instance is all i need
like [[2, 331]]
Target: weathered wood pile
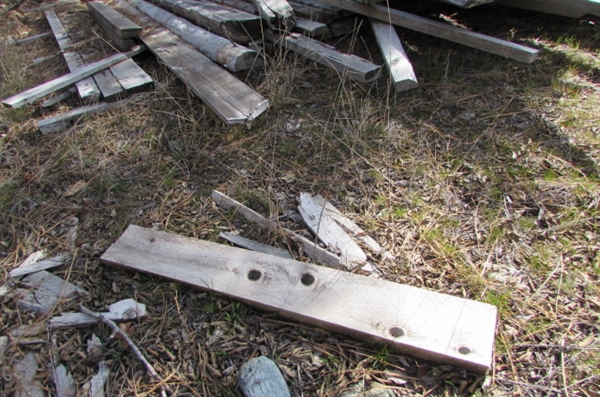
[[202, 41]]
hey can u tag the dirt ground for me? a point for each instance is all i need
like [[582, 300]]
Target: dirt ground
[[482, 183]]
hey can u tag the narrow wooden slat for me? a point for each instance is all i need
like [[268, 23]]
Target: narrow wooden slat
[[233, 101], [401, 70], [233, 57], [87, 88], [347, 64], [254, 246], [311, 28], [415, 321], [109, 85], [61, 96], [238, 5], [438, 29], [114, 21], [35, 93], [31, 39]]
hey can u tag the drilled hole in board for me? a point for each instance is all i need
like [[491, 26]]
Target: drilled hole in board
[[307, 279], [396, 332], [464, 350], [254, 275]]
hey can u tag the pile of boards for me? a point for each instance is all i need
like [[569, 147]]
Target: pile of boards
[[204, 41]]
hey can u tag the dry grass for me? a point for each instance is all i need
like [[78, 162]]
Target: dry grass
[[483, 183]]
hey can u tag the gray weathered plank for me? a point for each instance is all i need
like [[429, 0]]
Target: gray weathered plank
[[124, 310], [45, 291], [114, 21], [416, 321], [233, 57], [232, 100], [311, 28], [87, 88], [276, 10], [565, 8], [28, 268], [131, 76], [234, 24], [260, 377], [438, 29], [312, 13], [35, 93], [32, 39], [401, 70], [61, 96], [347, 64], [109, 85]]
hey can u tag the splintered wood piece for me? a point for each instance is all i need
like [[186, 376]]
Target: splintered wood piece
[[468, 3], [63, 121], [398, 64], [96, 384], [260, 377], [26, 269], [45, 291], [40, 91], [63, 381], [347, 64], [255, 246], [232, 100], [310, 248], [125, 310], [276, 10], [347, 224], [416, 321], [565, 8], [24, 372], [328, 231], [113, 21], [442, 30], [232, 56], [234, 24], [87, 88]]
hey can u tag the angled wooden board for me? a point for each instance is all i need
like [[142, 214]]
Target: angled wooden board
[[232, 100], [415, 321], [441, 30]]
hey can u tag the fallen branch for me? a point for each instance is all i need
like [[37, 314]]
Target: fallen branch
[[138, 353]]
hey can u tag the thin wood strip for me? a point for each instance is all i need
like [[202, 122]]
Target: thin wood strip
[[415, 321]]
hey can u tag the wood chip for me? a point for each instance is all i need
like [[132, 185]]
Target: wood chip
[[125, 310]]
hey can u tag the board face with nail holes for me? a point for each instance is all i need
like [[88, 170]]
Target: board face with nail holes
[[412, 320]]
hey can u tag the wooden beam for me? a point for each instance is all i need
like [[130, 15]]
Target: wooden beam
[[401, 70], [311, 28], [238, 5], [233, 57], [236, 25], [565, 8], [347, 64], [33, 94], [233, 101], [114, 21], [442, 30], [416, 321], [311, 13], [61, 96], [87, 89]]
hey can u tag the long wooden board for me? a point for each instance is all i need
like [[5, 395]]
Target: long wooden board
[[398, 64], [347, 64], [415, 321], [232, 100], [442, 30], [40, 91]]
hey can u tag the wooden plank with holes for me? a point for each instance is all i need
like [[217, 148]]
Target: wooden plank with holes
[[232, 100], [401, 70], [441, 30], [416, 321]]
